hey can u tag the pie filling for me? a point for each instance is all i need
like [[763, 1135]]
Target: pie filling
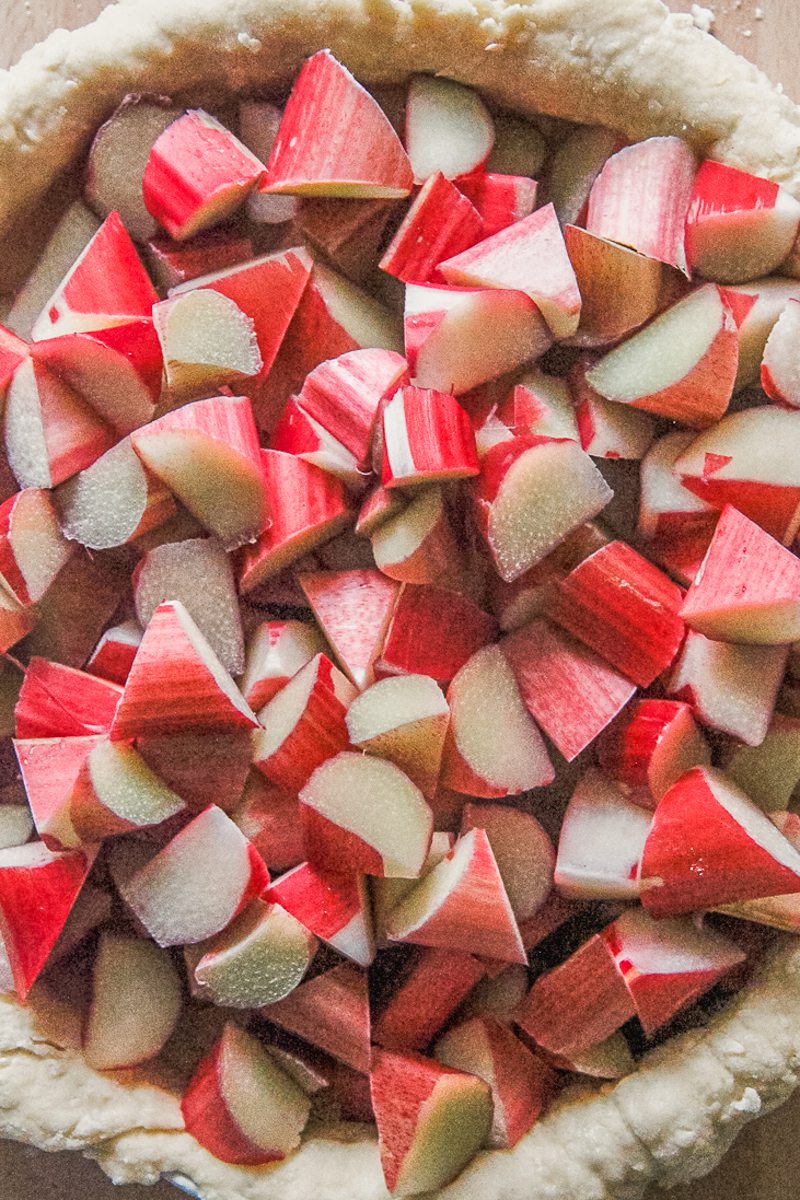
[[399, 608]]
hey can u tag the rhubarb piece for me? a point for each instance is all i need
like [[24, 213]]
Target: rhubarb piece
[[738, 226], [116, 792], [77, 607], [177, 683], [308, 506], [303, 725], [404, 720], [259, 122], [440, 223], [241, 1106], [207, 453], [65, 244], [619, 288], [173, 571], [641, 198], [260, 958], [498, 996], [519, 146], [276, 650], [552, 477], [16, 622], [195, 885], [58, 701], [601, 842], [173, 263], [609, 1059], [197, 175], [333, 906], [709, 845], [335, 140], [270, 819], [345, 395], [578, 1004], [667, 965], [521, 1083], [427, 438], [418, 543], [431, 1120], [425, 997], [529, 256], [268, 290], [118, 158], [748, 460], [364, 814], [448, 128], [624, 608], [135, 1006], [386, 893], [541, 404], [682, 366], [666, 508], [49, 767], [106, 285], [609, 430], [499, 199], [206, 341], [38, 888], [16, 825], [523, 852], [349, 235], [461, 904], [516, 603], [780, 366], [333, 318], [434, 632], [650, 747], [331, 1011], [756, 308], [576, 163], [459, 338], [13, 353], [117, 371], [475, 762], [568, 690], [113, 501], [299, 434], [203, 767], [731, 688], [748, 588], [32, 547], [49, 432], [768, 773]]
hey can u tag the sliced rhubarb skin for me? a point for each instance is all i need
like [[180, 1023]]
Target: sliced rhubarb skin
[[624, 608], [335, 140]]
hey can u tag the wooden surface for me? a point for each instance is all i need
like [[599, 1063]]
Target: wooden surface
[[765, 1163]]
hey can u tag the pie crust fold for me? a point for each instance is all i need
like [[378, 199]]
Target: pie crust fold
[[628, 64]]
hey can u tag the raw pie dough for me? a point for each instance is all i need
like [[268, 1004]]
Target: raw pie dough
[[628, 64]]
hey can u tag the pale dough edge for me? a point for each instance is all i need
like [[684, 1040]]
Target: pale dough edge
[[630, 64], [672, 1120], [637, 68]]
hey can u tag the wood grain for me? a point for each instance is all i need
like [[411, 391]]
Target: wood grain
[[765, 1162]]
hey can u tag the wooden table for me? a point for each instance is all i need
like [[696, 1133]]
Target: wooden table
[[765, 1163]]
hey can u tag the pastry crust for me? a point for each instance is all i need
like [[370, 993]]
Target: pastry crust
[[628, 64], [670, 1121]]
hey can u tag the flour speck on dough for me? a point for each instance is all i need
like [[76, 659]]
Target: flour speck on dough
[[248, 41]]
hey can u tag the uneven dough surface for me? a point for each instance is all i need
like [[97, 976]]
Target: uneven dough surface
[[629, 64]]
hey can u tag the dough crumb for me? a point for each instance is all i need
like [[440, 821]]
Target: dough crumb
[[248, 41], [702, 18], [758, 14], [750, 1102]]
